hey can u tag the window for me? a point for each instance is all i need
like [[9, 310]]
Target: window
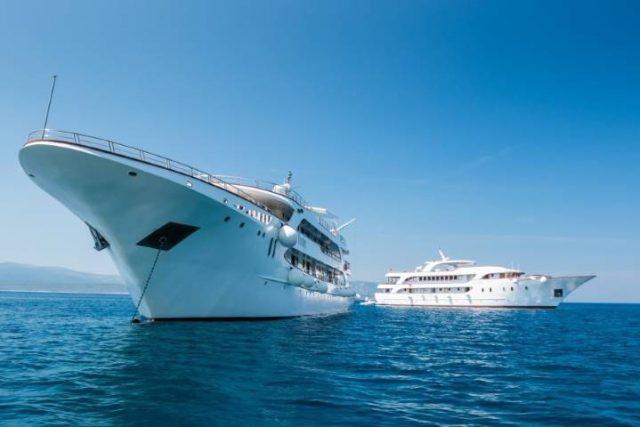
[[557, 293], [482, 289]]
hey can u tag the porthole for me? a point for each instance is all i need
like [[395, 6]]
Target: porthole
[[132, 173], [241, 224], [227, 218], [259, 232]]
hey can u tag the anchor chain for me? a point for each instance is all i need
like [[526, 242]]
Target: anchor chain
[[162, 241]]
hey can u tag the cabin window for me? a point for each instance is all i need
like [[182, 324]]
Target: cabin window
[[557, 293]]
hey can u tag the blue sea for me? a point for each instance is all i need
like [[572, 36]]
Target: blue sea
[[76, 360]]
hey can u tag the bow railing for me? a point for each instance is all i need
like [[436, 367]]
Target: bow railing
[[229, 184]]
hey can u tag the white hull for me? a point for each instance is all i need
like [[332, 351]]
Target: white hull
[[225, 269], [539, 292]]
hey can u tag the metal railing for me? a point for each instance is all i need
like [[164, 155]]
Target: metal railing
[[228, 183]]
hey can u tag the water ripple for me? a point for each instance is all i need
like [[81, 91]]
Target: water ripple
[[76, 360]]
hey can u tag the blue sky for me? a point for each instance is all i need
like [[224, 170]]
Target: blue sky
[[507, 132]]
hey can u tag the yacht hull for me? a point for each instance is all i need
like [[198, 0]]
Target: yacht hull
[[539, 292], [229, 266]]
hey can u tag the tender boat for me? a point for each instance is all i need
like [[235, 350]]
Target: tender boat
[[192, 245], [461, 283]]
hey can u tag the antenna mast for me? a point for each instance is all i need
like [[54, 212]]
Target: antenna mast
[[46, 117]]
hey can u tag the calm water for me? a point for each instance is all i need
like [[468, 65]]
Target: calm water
[[76, 360]]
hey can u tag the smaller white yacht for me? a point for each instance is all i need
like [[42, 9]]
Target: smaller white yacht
[[461, 283]]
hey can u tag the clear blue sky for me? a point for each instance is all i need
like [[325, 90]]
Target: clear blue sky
[[507, 132]]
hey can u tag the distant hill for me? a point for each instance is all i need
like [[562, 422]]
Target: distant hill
[[33, 278]]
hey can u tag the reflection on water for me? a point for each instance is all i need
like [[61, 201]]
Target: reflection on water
[[76, 359]]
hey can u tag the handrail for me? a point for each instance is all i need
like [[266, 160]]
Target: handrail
[[134, 153]]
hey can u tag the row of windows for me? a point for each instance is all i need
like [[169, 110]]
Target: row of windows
[[508, 275], [432, 290], [447, 290], [326, 244], [314, 267], [436, 278], [526, 288], [260, 216]]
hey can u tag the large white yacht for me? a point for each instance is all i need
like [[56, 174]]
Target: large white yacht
[[461, 283], [192, 245]]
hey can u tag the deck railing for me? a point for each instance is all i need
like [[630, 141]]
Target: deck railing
[[229, 184]]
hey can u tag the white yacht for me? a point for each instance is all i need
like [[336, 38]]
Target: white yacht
[[461, 283], [191, 245]]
